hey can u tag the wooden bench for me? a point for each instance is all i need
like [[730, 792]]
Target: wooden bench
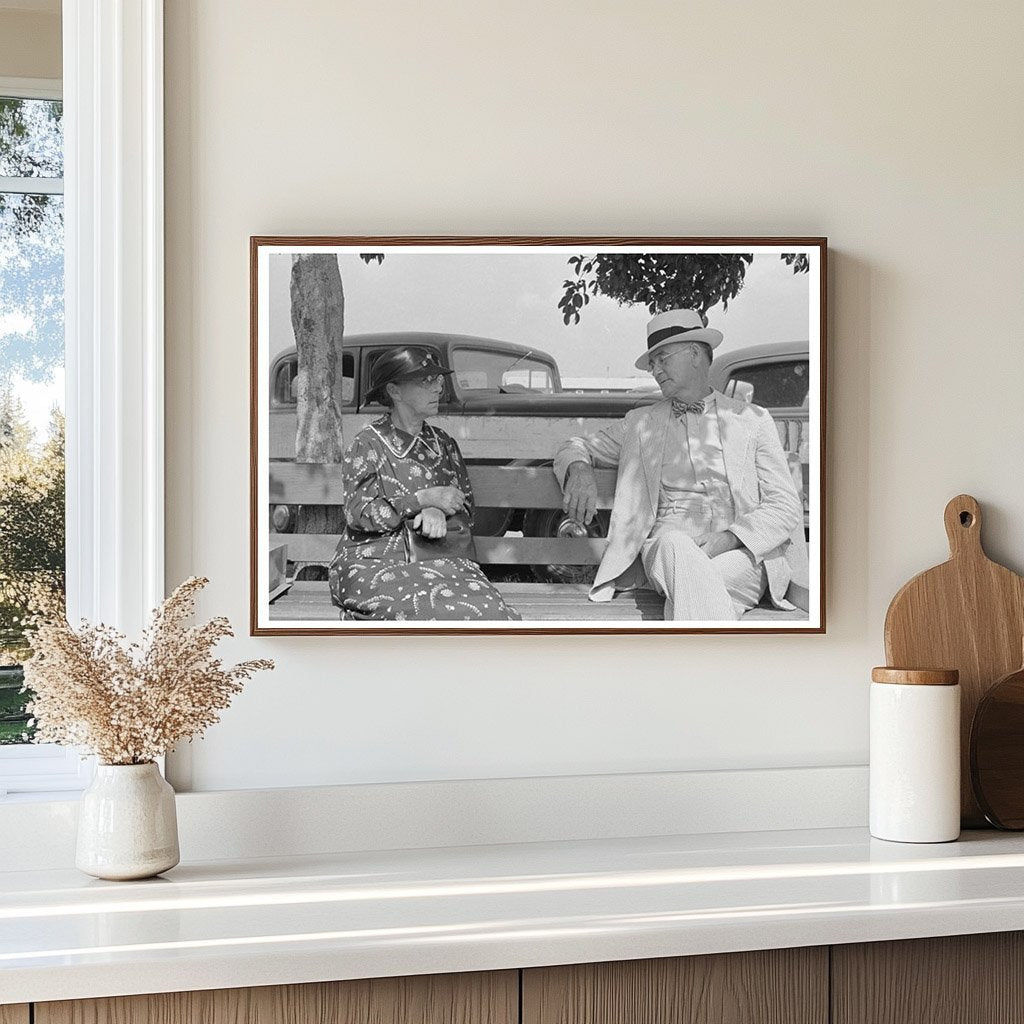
[[310, 601], [509, 486]]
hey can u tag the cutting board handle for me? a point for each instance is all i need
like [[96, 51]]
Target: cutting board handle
[[963, 526]]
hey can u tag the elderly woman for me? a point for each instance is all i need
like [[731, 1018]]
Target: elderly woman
[[401, 470]]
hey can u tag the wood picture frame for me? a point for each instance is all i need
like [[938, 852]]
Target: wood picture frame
[[541, 336]]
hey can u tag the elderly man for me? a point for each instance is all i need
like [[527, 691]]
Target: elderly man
[[705, 511]]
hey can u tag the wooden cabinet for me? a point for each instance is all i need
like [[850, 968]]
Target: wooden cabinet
[[777, 986], [961, 979], [481, 998], [967, 979]]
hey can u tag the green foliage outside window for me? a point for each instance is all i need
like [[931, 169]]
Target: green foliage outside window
[[32, 552], [32, 542]]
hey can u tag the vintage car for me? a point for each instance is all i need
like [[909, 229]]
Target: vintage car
[[778, 377], [506, 406]]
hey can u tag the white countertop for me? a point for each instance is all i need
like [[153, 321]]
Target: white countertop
[[223, 924]]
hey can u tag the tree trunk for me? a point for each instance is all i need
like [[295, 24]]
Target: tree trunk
[[318, 318], [318, 322]]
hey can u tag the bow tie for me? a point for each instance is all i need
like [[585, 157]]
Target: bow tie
[[680, 409]]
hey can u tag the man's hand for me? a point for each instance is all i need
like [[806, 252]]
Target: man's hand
[[448, 499], [431, 522], [579, 495], [715, 544]]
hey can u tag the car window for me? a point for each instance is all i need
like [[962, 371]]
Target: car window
[[348, 378], [775, 385], [478, 369], [286, 382]]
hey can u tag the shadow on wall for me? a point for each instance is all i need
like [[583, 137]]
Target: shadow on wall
[[852, 289]]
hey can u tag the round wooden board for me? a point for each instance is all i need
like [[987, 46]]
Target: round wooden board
[[968, 614], [997, 752]]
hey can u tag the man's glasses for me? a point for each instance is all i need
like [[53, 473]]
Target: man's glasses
[[428, 382]]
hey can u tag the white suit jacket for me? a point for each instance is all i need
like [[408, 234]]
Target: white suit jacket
[[769, 513]]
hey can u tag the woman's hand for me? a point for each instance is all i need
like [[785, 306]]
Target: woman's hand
[[448, 499], [431, 522]]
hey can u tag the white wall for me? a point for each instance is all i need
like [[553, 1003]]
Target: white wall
[[895, 129]]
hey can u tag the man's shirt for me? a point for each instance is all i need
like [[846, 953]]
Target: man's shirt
[[694, 485]]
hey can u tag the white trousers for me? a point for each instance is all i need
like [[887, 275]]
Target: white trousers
[[698, 588]]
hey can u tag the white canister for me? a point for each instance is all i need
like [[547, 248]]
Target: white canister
[[915, 755]]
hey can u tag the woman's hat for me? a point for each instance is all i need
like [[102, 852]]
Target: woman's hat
[[398, 364], [673, 326]]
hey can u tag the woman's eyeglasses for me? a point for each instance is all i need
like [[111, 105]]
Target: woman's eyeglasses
[[428, 382]]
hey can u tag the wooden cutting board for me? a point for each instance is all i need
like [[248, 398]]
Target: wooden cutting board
[[967, 614]]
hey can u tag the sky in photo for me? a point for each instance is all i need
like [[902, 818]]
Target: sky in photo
[[32, 260], [514, 297], [43, 391]]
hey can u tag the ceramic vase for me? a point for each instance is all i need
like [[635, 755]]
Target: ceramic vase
[[127, 825]]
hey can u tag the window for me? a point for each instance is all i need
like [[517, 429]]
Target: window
[[482, 370], [113, 331], [286, 381], [32, 470], [779, 385], [32, 562]]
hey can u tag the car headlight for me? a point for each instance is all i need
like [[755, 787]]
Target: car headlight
[[281, 518]]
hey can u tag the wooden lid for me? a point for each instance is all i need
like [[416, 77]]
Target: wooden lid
[[916, 676]]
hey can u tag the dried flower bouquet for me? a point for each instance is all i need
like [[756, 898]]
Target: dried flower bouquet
[[130, 703]]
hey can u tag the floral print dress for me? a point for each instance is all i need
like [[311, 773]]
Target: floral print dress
[[371, 576]]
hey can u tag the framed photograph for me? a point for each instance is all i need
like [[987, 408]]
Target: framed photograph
[[537, 435]]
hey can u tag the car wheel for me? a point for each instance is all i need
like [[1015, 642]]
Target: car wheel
[[553, 522], [491, 522]]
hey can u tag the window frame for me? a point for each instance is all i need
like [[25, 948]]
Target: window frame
[[31, 89], [112, 89], [37, 767]]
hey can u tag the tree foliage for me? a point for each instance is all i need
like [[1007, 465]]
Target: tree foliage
[[31, 140], [659, 280], [32, 573]]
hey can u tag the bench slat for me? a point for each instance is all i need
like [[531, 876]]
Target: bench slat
[[540, 550], [319, 547], [478, 437], [300, 483], [487, 437], [529, 487], [310, 601]]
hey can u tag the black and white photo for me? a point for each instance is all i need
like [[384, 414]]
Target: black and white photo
[[537, 435]]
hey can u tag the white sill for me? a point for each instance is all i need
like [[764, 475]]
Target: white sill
[[389, 913], [34, 772], [242, 824], [39, 798]]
